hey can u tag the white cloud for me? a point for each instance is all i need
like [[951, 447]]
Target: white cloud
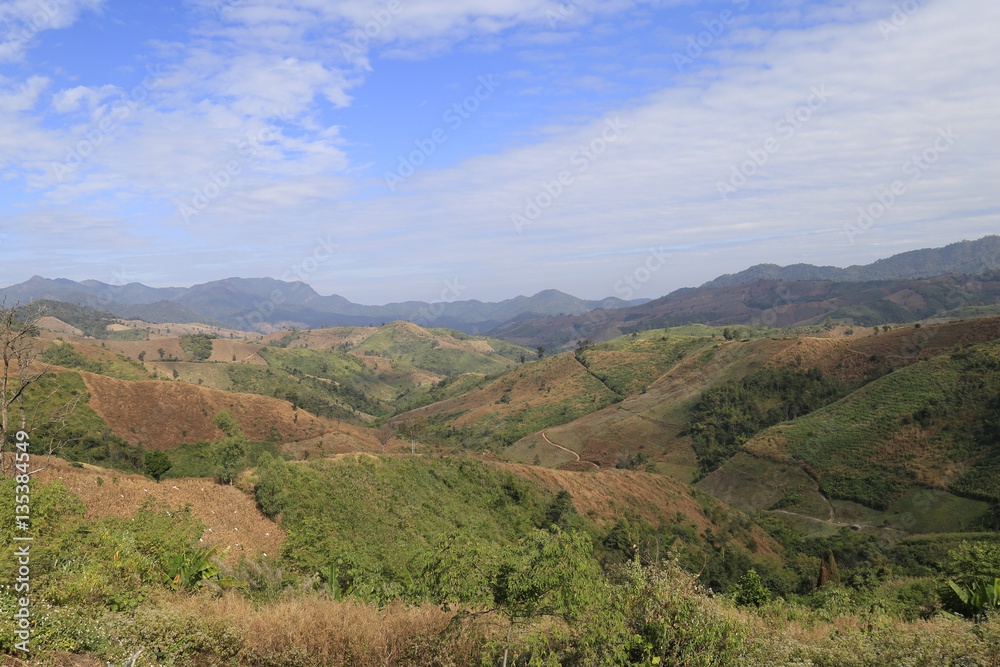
[[247, 90], [28, 18]]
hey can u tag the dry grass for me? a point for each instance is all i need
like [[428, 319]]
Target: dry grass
[[604, 496], [231, 515], [166, 414], [327, 632]]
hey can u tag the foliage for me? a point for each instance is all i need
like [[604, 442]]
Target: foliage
[[299, 376], [375, 519], [547, 573], [189, 569], [156, 464], [272, 479], [199, 346], [750, 592], [229, 452], [109, 364], [730, 413], [975, 599]]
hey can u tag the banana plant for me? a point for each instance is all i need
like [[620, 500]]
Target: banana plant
[[187, 570], [978, 597]]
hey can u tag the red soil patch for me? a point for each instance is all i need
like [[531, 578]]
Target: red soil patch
[[231, 515]]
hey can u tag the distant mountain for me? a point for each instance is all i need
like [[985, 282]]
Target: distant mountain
[[267, 304], [768, 303], [964, 257]]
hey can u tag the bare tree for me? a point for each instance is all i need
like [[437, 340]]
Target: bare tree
[[21, 368], [413, 427], [384, 435]]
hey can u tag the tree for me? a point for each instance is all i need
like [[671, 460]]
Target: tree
[[561, 508], [161, 352], [229, 452], [412, 428], [271, 484], [21, 371], [750, 591], [541, 351], [156, 465], [384, 435], [547, 573], [142, 356]]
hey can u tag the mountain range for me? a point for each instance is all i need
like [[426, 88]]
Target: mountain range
[[267, 305], [905, 287]]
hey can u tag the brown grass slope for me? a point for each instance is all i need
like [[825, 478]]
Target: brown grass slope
[[230, 515], [652, 422], [541, 384], [162, 415], [605, 496]]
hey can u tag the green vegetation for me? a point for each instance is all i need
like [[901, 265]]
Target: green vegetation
[[111, 365], [730, 413], [317, 394], [199, 346], [156, 464], [90, 322], [229, 452], [270, 484]]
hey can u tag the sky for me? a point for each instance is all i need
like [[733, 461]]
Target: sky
[[442, 150]]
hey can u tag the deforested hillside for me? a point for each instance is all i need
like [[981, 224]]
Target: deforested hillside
[[928, 426], [552, 391], [657, 426]]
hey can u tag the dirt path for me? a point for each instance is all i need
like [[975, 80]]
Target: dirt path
[[829, 521], [575, 455], [546, 438]]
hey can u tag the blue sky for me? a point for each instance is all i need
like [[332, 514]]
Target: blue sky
[[388, 150]]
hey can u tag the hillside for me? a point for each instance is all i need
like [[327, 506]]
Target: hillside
[[551, 391], [653, 425], [929, 425], [355, 374], [769, 303], [964, 257]]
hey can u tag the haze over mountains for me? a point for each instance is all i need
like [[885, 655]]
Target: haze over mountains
[[901, 288], [267, 304]]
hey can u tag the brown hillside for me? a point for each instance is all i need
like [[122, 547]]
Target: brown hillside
[[58, 326], [549, 382], [165, 414], [604, 496], [231, 517], [651, 422]]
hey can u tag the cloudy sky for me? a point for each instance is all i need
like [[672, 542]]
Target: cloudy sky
[[481, 149]]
